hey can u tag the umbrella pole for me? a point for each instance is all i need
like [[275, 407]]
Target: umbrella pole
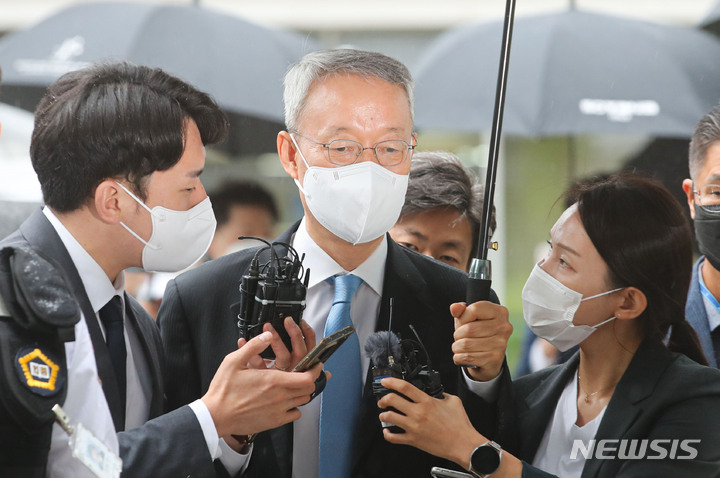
[[480, 274]]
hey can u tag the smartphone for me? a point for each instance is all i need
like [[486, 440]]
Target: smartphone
[[438, 472], [322, 351]]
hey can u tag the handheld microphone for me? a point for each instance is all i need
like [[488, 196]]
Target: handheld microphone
[[272, 291], [408, 360]]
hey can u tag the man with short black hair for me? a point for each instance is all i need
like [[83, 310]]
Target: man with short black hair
[[442, 214], [118, 150], [242, 208]]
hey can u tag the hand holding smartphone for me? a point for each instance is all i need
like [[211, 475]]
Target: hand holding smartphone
[[322, 351]]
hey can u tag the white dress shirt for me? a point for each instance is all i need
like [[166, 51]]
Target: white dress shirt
[[363, 313], [85, 401], [553, 455]]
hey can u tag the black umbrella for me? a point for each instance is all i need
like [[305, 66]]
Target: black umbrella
[[711, 22], [572, 73], [240, 63]]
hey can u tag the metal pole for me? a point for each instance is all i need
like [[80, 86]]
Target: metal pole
[[480, 276]]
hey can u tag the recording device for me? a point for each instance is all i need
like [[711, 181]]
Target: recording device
[[391, 356], [322, 351], [272, 291]]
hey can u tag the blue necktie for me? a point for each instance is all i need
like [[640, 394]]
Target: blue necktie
[[111, 316], [340, 407]]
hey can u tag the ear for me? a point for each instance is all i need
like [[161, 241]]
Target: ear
[[108, 202], [288, 154], [687, 186], [633, 303]]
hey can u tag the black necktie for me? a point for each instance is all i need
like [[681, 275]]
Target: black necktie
[[111, 316]]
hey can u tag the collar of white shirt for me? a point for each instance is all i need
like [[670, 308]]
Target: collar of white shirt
[[322, 266], [97, 285]]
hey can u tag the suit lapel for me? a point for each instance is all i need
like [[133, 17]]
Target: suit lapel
[[540, 406], [40, 234], [404, 283], [637, 383]]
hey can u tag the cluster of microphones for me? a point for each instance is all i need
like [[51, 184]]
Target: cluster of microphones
[[405, 359]]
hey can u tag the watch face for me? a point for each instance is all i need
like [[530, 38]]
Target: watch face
[[485, 460]]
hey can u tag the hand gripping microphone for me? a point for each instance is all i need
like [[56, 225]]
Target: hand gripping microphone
[[272, 291], [408, 360]]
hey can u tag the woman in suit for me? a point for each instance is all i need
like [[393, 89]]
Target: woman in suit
[[615, 282]]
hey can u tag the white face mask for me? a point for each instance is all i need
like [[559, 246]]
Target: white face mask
[[358, 203], [179, 238], [549, 308]]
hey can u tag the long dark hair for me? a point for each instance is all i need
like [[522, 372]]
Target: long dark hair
[[640, 231]]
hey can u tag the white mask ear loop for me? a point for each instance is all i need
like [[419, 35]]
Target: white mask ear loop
[[602, 294], [134, 197], [604, 322], [297, 148], [126, 226]]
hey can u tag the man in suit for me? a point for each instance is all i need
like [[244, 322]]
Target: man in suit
[[442, 214], [118, 150], [703, 193], [348, 148]]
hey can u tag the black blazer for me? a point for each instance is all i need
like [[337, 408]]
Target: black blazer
[[146, 450], [198, 329], [661, 395]]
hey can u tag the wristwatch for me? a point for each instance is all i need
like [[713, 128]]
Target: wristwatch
[[485, 459]]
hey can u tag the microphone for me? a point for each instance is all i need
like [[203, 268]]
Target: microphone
[[408, 360], [272, 291]]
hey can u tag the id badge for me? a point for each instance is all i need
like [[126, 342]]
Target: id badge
[[93, 453]]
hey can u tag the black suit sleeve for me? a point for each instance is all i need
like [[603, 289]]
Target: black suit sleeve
[[170, 445]]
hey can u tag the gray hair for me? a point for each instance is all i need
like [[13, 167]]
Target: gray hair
[[706, 133], [438, 180], [320, 64]]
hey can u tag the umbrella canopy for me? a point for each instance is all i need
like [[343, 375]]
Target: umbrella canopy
[[711, 22], [241, 64], [571, 73]]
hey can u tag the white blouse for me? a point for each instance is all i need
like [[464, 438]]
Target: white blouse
[[553, 454]]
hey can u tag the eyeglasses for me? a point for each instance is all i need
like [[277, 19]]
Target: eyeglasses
[[709, 197], [343, 152]]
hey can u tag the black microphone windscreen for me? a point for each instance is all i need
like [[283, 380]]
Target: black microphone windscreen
[[381, 345]]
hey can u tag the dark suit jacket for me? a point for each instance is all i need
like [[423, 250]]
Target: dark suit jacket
[[198, 330], [697, 316], [661, 395], [170, 445]]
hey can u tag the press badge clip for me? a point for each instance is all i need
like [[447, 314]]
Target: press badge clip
[[87, 448]]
